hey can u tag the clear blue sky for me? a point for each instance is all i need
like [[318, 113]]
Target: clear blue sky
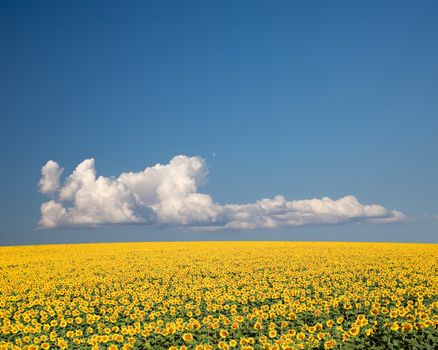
[[301, 98]]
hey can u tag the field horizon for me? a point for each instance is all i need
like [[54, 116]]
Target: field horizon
[[213, 241]]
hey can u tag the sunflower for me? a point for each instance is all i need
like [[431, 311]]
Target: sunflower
[[354, 331], [223, 333], [330, 344], [407, 327], [187, 337], [330, 323], [301, 336], [272, 333]]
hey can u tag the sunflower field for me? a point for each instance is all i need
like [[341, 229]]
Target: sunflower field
[[219, 295]]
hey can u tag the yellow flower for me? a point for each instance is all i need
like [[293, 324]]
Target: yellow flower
[[222, 345], [407, 327], [188, 337], [329, 323], [410, 318], [345, 336], [347, 306], [292, 332], [62, 343], [330, 344], [354, 331], [301, 336], [223, 334], [369, 332], [272, 333]]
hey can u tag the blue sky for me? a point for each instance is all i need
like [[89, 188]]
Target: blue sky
[[305, 99]]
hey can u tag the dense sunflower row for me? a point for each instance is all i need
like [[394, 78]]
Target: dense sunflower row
[[248, 295]]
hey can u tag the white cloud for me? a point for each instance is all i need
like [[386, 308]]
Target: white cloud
[[51, 172], [168, 195]]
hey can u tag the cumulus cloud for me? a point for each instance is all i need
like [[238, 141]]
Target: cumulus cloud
[[51, 173], [168, 195]]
